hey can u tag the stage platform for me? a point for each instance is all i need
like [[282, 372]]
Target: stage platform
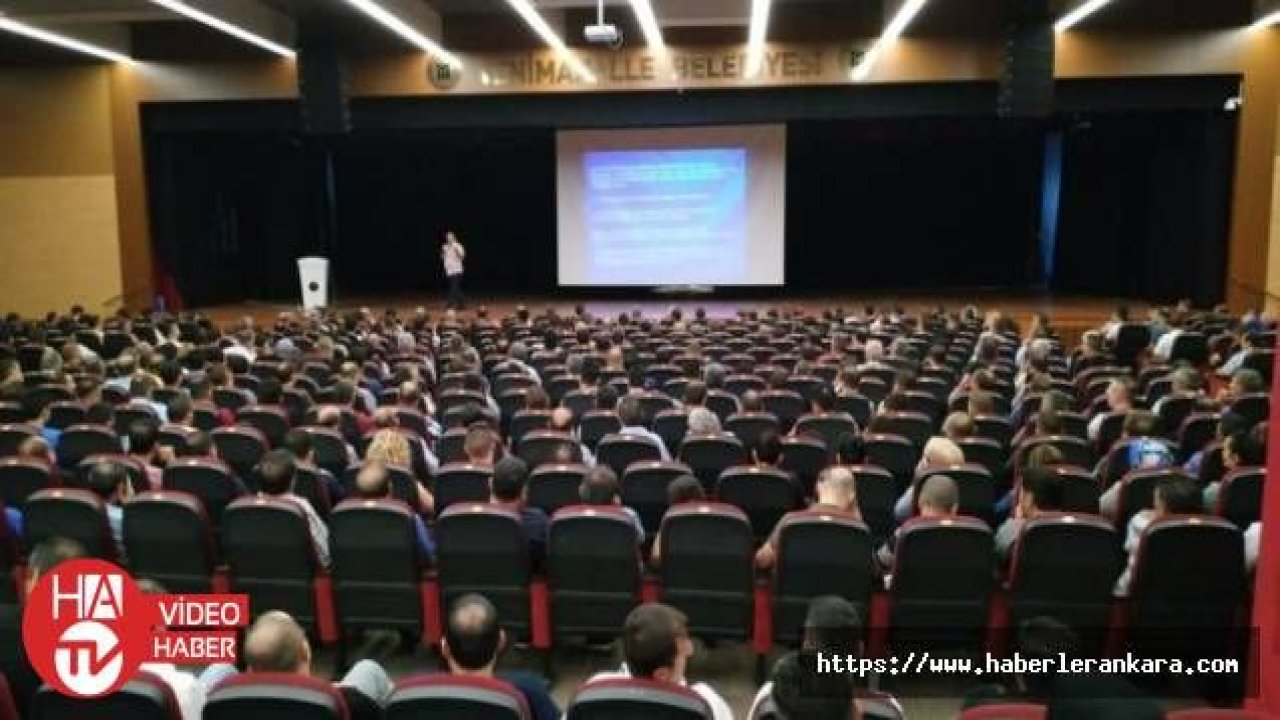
[[1070, 315]]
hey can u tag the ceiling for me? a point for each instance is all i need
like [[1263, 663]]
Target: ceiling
[[489, 25]]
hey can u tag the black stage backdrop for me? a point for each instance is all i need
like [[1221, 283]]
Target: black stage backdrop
[[873, 204]]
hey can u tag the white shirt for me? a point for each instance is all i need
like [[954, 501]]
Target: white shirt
[[453, 253], [719, 708], [1164, 346], [187, 690], [1252, 538]]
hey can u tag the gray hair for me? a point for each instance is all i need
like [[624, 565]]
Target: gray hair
[[702, 421]]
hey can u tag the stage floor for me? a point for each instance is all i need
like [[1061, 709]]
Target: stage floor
[[1070, 315]]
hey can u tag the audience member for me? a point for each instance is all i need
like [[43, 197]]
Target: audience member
[[600, 487], [276, 472], [837, 493], [510, 489]]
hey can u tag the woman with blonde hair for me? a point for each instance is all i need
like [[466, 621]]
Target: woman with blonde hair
[[391, 447]]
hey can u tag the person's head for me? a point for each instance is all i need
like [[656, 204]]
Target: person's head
[[767, 449], [390, 447], [298, 442], [940, 452], [107, 480], [373, 481], [1140, 423], [703, 422], [656, 643], [1044, 639], [198, 444], [1230, 423], [561, 419], [850, 449], [836, 487], [752, 402], [600, 487], [1042, 491], [1043, 455], [695, 393], [713, 375], [822, 399], [36, 407], [35, 447], [832, 625], [959, 425], [473, 637], [1246, 381], [630, 412], [510, 476], [1185, 380], [535, 398], [982, 402], [143, 434], [49, 554], [939, 497], [606, 397], [1049, 422], [1177, 495], [1119, 394], [683, 489], [799, 691], [275, 643], [181, 409], [479, 445], [276, 471], [329, 416], [1242, 449]]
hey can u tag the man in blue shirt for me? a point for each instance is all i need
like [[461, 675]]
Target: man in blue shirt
[[36, 406], [509, 485], [374, 483], [472, 642]]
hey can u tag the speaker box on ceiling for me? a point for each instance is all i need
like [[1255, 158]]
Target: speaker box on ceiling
[[322, 88], [1026, 69]]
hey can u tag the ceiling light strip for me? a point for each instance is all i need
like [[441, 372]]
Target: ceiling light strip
[[1066, 22], [1266, 20], [648, 24], [35, 33], [404, 30], [218, 24], [906, 13], [549, 36], [756, 35]]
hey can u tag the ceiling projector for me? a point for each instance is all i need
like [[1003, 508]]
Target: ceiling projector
[[603, 34]]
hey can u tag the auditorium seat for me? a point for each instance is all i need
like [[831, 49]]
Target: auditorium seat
[[1198, 430], [144, 697], [127, 415], [209, 480], [819, 553], [985, 452], [139, 480], [1254, 407], [525, 422], [893, 453], [671, 426], [270, 420], [975, 484], [552, 487], [644, 489], [786, 405], [764, 494], [1065, 566], [595, 425], [457, 697], [1137, 490], [620, 450], [941, 583], [722, 403], [748, 427], [73, 513], [377, 568], [1240, 497], [542, 447], [80, 441], [707, 456], [481, 548], [805, 457], [62, 415], [1075, 450], [994, 427], [1115, 465], [461, 482], [330, 448], [636, 699], [827, 426], [915, 427], [20, 478], [168, 538], [593, 570], [270, 556], [277, 696], [707, 567]]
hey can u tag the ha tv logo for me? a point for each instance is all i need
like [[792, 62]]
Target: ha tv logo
[[88, 628]]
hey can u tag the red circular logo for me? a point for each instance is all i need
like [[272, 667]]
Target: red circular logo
[[87, 628]]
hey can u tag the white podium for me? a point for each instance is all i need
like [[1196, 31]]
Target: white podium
[[313, 273]]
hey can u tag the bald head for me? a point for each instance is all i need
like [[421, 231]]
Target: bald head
[[472, 635], [939, 496], [276, 643], [561, 419], [329, 416]]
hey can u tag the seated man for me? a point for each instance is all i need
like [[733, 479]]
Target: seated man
[[110, 482], [1042, 492], [1119, 399], [656, 646], [940, 451], [562, 420], [374, 483], [600, 487], [142, 438], [509, 488], [472, 642], [1241, 450], [1143, 451], [299, 443], [1173, 496], [631, 413], [799, 689], [276, 473], [837, 493], [939, 497], [275, 643]]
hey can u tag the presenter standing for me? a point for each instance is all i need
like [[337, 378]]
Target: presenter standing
[[452, 253]]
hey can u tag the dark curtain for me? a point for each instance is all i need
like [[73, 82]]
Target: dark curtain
[[941, 203], [1145, 207]]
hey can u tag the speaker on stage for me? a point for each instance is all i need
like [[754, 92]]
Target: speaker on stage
[[313, 273], [322, 88]]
